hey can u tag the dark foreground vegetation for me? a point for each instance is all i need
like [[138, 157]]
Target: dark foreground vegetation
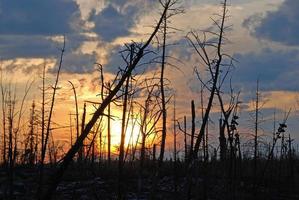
[[211, 180]]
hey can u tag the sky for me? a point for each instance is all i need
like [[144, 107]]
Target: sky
[[263, 39]]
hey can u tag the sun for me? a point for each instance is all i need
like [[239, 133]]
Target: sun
[[132, 133], [133, 136]]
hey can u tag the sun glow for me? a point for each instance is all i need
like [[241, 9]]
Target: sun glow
[[133, 135]]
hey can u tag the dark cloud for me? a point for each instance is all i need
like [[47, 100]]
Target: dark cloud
[[13, 46], [35, 46], [118, 18], [277, 70], [280, 26], [78, 63], [26, 28], [111, 24], [36, 17]]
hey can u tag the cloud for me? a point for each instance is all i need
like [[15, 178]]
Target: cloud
[[25, 47], [35, 46], [118, 17], [29, 29], [34, 29], [25, 66], [281, 25], [111, 24], [276, 69], [78, 63], [15, 46], [35, 17]]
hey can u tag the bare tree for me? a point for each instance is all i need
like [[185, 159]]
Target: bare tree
[[48, 127], [150, 114], [123, 129], [224, 123], [14, 117], [77, 110], [214, 63], [209, 48], [170, 6], [256, 124], [4, 110], [43, 108], [164, 112], [109, 128], [70, 154], [192, 125], [30, 143]]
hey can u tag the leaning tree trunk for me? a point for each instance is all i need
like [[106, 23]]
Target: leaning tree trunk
[[215, 77], [56, 178]]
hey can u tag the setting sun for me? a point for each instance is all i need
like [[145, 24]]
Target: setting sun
[[132, 132]]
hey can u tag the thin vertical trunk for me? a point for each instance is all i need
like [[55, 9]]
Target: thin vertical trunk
[[207, 142], [131, 142], [174, 133], [43, 110], [109, 130], [202, 114], [50, 152], [77, 109], [282, 149], [31, 136], [123, 133], [274, 126], [175, 148], [36, 144], [193, 125], [4, 130], [129, 111], [215, 77], [135, 146], [185, 138], [81, 151], [52, 107], [142, 151], [3, 98], [121, 148], [101, 147], [154, 152], [164, 111], [10, 145], [47, 134], [222, 139], [71, 131], [256, 130], [54, 149], [12, 142], [93, 153], [91, 145]]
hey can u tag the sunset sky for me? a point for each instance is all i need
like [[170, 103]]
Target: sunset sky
[[264, 39]]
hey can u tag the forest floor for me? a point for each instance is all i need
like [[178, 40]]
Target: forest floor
[[86, 182]]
